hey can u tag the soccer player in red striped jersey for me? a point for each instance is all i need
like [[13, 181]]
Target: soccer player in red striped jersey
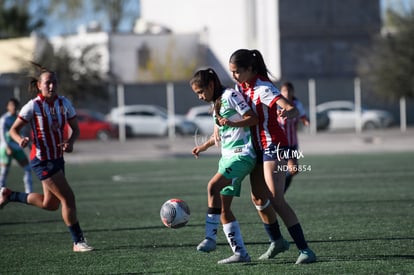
[[250, 72], [47, 115], [290, 126]]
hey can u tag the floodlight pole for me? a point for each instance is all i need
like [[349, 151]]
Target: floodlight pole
[[121, 105], [358, 105], [16, 92], [312, 106], [403, 115], [171, 111]]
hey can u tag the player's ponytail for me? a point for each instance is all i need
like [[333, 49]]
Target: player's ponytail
[[245, 59], [218, 91], [259, 65], [39, 70]]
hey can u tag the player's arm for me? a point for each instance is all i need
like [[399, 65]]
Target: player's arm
[[68, 145], [302, 113], [287, 109], [249, 119], [305, 120], [15, 132]]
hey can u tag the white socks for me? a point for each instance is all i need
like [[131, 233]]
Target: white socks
[[4, 170], [27, 179], [212, 224], [234, 238]]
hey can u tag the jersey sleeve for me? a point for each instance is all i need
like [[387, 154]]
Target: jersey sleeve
[[237, 102], [301, 109], [70, 110], [26, 113], [269, 95]]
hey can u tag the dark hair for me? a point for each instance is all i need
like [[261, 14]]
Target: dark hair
[[290, 88], [288, 85], [244, 58], [34, 79], [202, 79], [15, 101]]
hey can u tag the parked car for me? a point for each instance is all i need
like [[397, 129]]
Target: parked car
[[322, 121], [93, 125], [342, 115], [150, 120], [202, 117]]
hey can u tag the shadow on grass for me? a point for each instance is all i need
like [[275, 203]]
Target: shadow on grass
[[359, 257], [29, 222]]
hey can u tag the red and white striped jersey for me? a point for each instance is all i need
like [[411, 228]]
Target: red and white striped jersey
[[47, 121], [262, 100], [290, 125]]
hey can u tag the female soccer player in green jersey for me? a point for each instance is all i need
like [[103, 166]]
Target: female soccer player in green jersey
[[9, 149], [233, 118]]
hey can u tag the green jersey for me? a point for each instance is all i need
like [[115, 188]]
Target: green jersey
[[6, 122], [235, 141]]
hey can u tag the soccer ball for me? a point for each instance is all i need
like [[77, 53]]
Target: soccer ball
[[175, 213]]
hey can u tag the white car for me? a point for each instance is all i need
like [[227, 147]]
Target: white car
[[202, 118], [150, 120], [342, 115]]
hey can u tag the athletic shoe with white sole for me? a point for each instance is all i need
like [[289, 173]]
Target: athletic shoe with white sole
[[4, 196], [306, 256], [207, 245], [275, 248], [235, 258], [82, 247]]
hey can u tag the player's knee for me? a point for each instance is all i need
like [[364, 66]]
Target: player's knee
[[279, 204], [260, 206], [256, 200], [293, 171], [51, 206], [54, 208]]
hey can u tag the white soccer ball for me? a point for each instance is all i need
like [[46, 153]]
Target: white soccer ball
[[175, 213]]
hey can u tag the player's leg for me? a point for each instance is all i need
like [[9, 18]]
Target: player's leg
[[260, 197], [59, 187], [215, 185], [231, 229], [291, 171], [46, 201], [21, 158], [276, 183], [5, 161]]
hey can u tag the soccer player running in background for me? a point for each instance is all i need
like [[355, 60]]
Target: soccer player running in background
[[9, 149], [47, 115], [233, 118], [290, 126], [250, 72]]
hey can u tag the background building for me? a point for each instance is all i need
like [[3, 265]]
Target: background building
[[173, 38]]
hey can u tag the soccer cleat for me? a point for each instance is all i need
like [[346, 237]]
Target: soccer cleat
[[4, 196], [275, 248], [207, 245], [82, 247], [235, 258], [306, 256]]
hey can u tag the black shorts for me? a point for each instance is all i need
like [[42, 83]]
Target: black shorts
[[46, 168]]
